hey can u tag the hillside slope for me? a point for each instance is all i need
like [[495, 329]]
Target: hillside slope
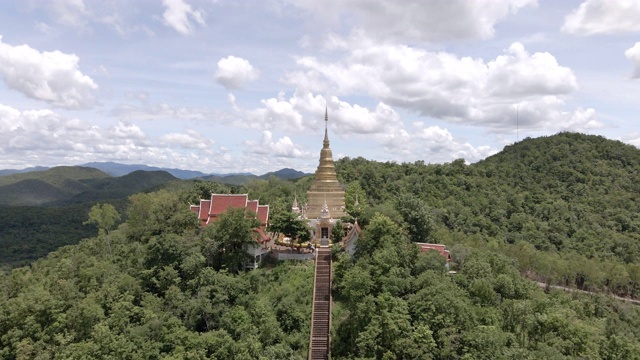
[[40, 187], [568, 193], [119, 187]]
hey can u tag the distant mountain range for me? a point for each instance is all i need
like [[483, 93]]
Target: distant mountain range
[[64, 185], [117, 169], [241, 179], [75, 184]]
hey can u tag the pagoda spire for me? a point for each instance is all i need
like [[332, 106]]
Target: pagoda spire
[[326, 187], [295, 209], [325, 143]]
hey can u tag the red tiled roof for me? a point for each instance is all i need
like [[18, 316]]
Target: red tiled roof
[[203, 215], [263, 214], [437, 247], [221, 202], [210, 209], [253, 206], [263, 237]]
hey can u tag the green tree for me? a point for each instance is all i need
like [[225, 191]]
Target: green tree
[[337, 232], [105, 217], [233, 231], [416, 216], [158, 213], [355, 192], [288, 224]]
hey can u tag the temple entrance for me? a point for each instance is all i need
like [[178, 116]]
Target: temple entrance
[[324, 233]]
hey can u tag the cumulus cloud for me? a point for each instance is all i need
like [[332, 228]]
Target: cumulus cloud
[[439, 145], [518, 73], [633, 54], [53, 77], [447, 87], [39, 137], [39, 134], [278, 113], [190, 139], [420, 20], [233, 72], [603, 17], [283, 147], [179, 15]]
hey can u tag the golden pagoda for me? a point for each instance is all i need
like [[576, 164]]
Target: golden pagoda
[[326, 191]]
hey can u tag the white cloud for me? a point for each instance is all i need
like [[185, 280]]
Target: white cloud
[[447, 87], [157, 111], [419, 20], [39, 137], [44, 133], [233, 72], [191, 139], [438, 145], [283, 147], [282, 113], [632, 138], [633, 54], [178, 15], [129, 131], [48, 76], [517, 73], [70, 12], [603, 17]]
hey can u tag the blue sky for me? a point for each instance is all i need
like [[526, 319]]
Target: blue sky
[[233, 86]]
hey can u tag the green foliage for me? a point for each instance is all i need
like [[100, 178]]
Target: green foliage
[[28, 233], [203, 190], [571, 196], [416, 216], [104, 216], [355, 192], [407, 309], [158, 213], [156, 298], [287, 223], [560, 209], [233, 234], [337, 232]]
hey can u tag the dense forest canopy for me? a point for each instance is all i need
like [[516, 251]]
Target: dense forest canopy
[[561, 209], [156, 287]]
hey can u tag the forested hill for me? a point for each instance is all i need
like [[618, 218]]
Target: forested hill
[[574, 197], [74, 184], [575, 192], [41, 211], [567, 162], [561, 209]]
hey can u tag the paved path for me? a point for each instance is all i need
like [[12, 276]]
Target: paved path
[[557, 287]]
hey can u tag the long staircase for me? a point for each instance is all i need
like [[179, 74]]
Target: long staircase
[[321, 314]]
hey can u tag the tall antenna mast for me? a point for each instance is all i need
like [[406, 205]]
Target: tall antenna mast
[[517, 122]]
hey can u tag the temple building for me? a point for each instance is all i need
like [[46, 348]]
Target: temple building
[[325, 198], [210, 209], [326, 190]]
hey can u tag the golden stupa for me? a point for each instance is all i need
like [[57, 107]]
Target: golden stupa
[[326, 189]]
